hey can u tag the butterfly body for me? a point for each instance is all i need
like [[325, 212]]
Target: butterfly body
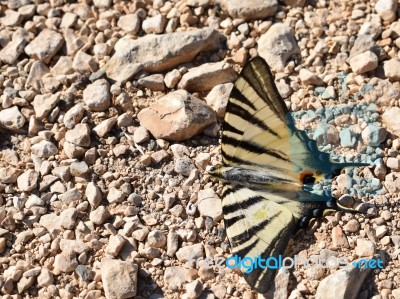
[[268, 171]]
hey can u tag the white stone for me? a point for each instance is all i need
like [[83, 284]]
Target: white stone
[[119, 278], [364, 62]]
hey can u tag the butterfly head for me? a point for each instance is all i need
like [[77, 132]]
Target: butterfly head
[[217, 171]]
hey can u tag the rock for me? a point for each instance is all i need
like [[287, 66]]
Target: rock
[[364, 62], [393, 164], [295, 3], [159, 156], [154, 24], [352, 226], [176, 210], [3, 245], [253, 9], [150, 253], [50, 222], [115, 195], [9, 174], [120, 150], [27, 181], [339, 240], [156, 239], [76, 245], [184, 166], [176, 116], [73, 116], [202, 160], [179, 150], [392, 69], [73, 195], [365, 248], [11, 119], [68, 218], [119, 278], [124, 120], [381, 231], [63, 66], [346, 138], [43, 104], [386, 9], [11, 18], [132, 56], [206, 76], [44, 149], [310, 78], [84, 273], [79, 135], [172, 78], [172, 243], [277, 45], [391, 121], [66, 261], [45, 278], [209, 204], [115, 244], [326, 134], [79, 169], [386, 215], [100, 215], [392, 182], [84, 63], [68, 20], [190, 252], [129, 23], [153, 82], [346, 201], [371, 29], [45, 45], [24, 237], [140, 135], [36, 75], [93, 194], [175, 277], [10, 53], [194, 289], [365, 43], [97, 95], [373, 135], [141, 233], [25, 283], [344, 283], [105, 126], [218, 97]]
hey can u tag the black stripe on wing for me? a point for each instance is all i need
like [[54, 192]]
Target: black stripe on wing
[[245, 204], [232, 220], [250, 232], [255, 148], [262, 280], [229, 128], [258, 75], [245, 250], [238, 110], [234, 159], [239, 96]]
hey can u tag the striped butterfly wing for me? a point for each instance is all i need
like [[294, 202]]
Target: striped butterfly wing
[[255, 117], [259, 134], [257, 227]]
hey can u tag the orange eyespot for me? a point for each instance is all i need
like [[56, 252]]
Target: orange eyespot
[[310, 177], [307, 177]]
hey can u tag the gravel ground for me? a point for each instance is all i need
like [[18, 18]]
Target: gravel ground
[[111, 111]]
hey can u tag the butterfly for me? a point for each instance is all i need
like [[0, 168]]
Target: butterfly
[[269, 170]]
